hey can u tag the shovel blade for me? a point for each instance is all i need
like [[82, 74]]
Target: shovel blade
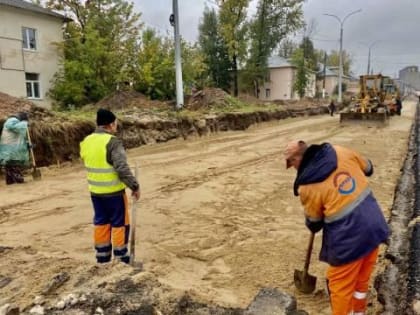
[[304, 282], [36, 174]]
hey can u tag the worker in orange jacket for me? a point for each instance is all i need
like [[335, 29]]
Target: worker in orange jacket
[[334, 191]]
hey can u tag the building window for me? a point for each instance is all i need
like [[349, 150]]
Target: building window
[[32, 85], [29, 38], [267, 93]]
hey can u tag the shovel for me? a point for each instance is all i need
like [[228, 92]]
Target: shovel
[[305, 282], [36, 173]]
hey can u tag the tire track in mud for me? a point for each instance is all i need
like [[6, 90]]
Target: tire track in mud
[[235, 233], [5, 209], [201, 143], [205, 176]]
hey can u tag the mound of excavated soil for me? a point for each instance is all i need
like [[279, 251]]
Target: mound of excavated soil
[[10, 105], [129, 99], [69, 286], [55, 137], [207, 98]]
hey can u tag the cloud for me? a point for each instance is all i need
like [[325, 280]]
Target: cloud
[[392, 23]]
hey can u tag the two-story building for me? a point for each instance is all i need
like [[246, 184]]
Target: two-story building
[[280, 80], [29, 57], [327, 80]]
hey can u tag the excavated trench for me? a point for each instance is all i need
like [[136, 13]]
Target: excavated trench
[[398, 286], [57, 142]]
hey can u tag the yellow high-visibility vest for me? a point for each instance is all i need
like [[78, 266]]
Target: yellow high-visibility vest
[[102, 177]]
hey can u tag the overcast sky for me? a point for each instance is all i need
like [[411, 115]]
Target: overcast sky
[[391, 27]]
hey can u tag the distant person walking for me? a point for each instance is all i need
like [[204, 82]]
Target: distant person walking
[[334, 191], [108, 175], [398, 105], [14, 153], [331, 108]]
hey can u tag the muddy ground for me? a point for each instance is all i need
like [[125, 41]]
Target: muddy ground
[[217, 220]]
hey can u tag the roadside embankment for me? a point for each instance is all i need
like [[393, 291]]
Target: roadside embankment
[[57, 140]]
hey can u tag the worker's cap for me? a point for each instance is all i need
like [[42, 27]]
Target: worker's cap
[[22, 116], [104, 117], [293, 149]]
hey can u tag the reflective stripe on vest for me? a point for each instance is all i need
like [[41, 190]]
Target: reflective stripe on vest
[[102, 177], [348, 208]]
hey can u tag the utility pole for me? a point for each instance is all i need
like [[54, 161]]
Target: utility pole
[[174, 20], [369, 55], [340, 68], [340, 71], [325, 73]]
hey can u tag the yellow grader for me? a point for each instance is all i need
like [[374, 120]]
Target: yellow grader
[[377, 100]]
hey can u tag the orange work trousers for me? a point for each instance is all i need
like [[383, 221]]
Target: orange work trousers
[[348, 285]]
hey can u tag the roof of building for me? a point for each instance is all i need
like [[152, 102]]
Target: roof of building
[[20, 4], [410, 67], [329, 71], [278, 62]]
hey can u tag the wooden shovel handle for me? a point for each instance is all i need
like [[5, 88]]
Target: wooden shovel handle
[[308, 253], [133, 225], [30, 148]]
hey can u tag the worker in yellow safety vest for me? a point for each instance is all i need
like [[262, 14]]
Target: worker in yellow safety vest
[[108, 175]]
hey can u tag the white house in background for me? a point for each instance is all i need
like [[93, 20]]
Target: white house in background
[[28, 57], [331, 79], [280, 79]]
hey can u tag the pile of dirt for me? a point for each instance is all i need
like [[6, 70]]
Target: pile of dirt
[[55, 137], [69, 286], [207, 98], [10, 105], [305, 102], [121, 100]]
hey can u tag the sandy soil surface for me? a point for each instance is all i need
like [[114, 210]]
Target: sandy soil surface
[[217, 217]]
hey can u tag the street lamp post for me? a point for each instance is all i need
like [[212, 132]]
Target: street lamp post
[[370, 47], [340, 70]]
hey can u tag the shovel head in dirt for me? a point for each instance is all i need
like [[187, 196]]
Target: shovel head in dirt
[[36, 174], [305, 282]]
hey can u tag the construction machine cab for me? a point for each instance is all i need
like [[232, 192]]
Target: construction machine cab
[[376, 99]]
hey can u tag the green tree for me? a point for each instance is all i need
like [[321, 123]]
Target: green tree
[[309, 53], [214, 50], [156, 59], [274, 21], [99, 47], [287, 48], [334, 61], [233, 28], [155, 76], [302, 75], [194, 66]]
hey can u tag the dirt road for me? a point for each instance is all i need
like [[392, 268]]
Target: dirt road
[[217, 215]]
